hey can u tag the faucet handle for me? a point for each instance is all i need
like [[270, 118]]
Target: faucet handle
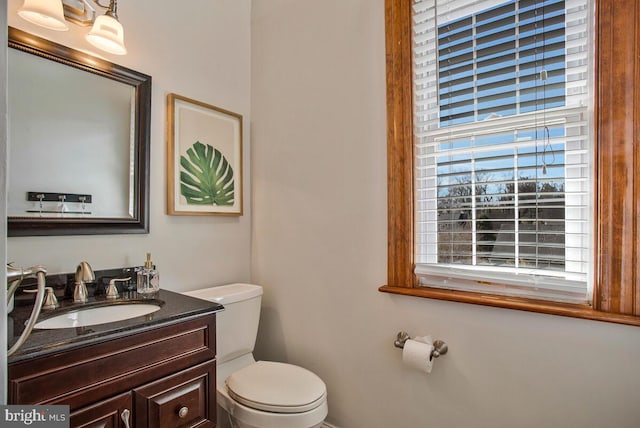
[[112, 290], [50, 299]]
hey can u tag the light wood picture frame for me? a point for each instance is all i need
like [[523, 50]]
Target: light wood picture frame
[[204, 158]]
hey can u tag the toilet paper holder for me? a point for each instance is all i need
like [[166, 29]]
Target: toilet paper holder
[[439, 346]]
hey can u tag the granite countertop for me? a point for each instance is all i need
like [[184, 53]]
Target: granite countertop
[[174, 307]]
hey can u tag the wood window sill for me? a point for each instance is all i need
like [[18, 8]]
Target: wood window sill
[[531, 305]]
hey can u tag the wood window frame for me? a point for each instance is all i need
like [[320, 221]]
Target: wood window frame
[[616, 295]]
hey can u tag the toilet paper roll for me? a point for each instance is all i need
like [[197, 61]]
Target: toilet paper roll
[[416, 354]]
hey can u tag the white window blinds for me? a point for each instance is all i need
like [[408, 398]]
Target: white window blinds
[[503, 146]]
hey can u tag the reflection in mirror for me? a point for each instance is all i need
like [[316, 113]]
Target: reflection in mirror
[[78, 142], [71, 132]]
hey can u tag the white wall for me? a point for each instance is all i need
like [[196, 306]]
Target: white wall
[[319, 248], [201, 51]]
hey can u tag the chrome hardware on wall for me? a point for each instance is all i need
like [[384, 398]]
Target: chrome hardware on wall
[[62, 199], [439, 346], [56, 197]]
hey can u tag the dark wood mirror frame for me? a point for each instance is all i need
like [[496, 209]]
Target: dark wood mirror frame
[[139, 222]]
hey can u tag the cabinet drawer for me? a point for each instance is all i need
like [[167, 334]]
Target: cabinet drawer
[[184, 399], [105, 414]]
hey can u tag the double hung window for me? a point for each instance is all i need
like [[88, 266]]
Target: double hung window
[[503, 151]]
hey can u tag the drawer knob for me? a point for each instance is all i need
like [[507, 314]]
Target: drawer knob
[[183, 412]]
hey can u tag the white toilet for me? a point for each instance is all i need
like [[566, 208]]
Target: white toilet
[[259, 394]]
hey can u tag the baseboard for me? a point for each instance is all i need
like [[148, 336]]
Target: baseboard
[[328, 425]]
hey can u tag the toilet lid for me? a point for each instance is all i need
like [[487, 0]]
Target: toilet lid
[[276, 387]]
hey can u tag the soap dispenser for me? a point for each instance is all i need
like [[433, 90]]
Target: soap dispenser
[[148, 278]]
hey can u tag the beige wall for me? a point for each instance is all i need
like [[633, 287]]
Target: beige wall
[[319, 248], [201, 51]]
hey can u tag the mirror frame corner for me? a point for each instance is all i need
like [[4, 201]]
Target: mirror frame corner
[[139, 223]]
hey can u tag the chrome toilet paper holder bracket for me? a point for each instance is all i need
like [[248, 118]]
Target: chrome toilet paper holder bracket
[[439, 346]]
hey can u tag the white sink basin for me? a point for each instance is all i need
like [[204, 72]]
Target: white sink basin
[[97, 315]]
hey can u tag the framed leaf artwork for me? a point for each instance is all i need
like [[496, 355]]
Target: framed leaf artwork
[[204, 159]]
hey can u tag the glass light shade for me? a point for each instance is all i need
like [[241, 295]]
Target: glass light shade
[[45, 13], [107, 34]]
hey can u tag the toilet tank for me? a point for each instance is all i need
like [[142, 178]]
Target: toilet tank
[[237, 325]]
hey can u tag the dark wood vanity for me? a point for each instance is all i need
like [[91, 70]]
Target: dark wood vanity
[[161, 373]]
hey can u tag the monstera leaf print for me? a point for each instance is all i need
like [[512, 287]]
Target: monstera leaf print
[[206, 177]]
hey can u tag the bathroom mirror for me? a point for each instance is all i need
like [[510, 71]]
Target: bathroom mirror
[[78, 132]]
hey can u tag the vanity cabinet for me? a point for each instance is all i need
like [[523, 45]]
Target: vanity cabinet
[[161, 377]]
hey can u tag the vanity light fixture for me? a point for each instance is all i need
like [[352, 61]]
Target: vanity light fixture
[[45, 13], [106, 33]]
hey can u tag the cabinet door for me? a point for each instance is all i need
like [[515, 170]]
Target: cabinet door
[[184, 399], [113, 412]]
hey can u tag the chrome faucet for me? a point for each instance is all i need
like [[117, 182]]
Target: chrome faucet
[[84, 273]]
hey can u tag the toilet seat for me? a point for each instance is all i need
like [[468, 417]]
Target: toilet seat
[[276, 387]]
